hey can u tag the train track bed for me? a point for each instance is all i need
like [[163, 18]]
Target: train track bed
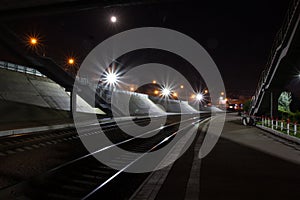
[[87, 178], [27, 155]]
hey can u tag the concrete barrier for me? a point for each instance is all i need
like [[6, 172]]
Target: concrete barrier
[[173, 106], [139, 104], [39, 91]]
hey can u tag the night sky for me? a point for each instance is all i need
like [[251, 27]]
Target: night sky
[[238, 35]]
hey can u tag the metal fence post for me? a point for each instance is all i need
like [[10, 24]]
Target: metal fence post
[[272, 123], [288, 126], [266, 121]]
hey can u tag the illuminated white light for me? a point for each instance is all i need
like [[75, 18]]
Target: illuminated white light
[[113, 19], [166, 92], [111, 78], [199, 97]]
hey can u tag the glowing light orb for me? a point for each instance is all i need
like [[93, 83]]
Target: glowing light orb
[[71, 61], [112, 78], [33, 41], [113, 19], [199, 97], [166, 92]]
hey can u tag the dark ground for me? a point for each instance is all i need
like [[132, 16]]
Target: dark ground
[[237, 171]]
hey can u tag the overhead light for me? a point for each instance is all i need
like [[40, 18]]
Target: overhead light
[[113, 19], [165, 92], [199, 97], [111, 78]]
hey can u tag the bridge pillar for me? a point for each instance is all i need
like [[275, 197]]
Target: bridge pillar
[[73, 102]]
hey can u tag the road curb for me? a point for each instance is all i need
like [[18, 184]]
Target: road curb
[[279, 134]]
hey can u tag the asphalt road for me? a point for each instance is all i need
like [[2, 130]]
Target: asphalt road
[[246, 163]]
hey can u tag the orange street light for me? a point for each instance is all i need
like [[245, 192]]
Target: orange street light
[[71, 61], [33, 41], [193, 96], [131, 89], [156, 92], [205, 91], [222, 93], [181, 86], [154, 82], [175, 94]]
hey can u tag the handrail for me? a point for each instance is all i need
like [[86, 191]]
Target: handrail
[[20, 68]]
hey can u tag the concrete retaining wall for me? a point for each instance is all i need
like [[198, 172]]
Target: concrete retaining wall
[[38, 91], [139, 104], [174, 106]]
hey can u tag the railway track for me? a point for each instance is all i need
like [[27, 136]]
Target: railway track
[[87, 178], [24, 142]]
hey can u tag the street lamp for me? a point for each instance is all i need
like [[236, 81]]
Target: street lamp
[[33, 41], [154, 81], [71, 61], [113, 19], [165, 92], [111, 78], [199, 97], [70, 65]]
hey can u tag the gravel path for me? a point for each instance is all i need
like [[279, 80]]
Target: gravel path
[[23, 165]]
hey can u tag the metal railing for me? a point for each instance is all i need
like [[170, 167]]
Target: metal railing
[[20, 68], [283, 126], [280, 38]]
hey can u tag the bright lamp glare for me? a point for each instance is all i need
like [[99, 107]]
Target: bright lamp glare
[[33, 41], [111, 78], [71, 61], [166, 92], [113, 19], [199, 97]]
